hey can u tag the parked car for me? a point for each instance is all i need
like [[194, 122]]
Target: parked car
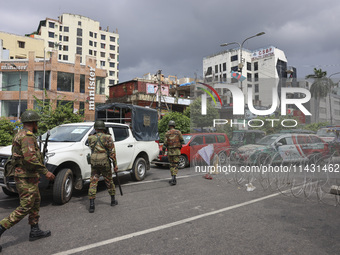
[[326, 133], [193, 143], [66, 158], [243, 137], [283, 148]]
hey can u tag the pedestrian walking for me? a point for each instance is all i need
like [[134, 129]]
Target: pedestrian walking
[[28, 163], [173, 143], [102, 150]]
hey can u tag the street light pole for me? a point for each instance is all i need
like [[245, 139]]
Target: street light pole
[[19, 106], [329, 96], [240, 65]]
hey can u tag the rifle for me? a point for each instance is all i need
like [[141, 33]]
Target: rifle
[[45, 146], [118, 182]]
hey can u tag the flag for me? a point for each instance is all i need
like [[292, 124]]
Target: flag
[[237, 76]]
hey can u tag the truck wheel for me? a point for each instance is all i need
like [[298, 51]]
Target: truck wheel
[[9, 193], [139, 169], [63, 186], [183, 161]]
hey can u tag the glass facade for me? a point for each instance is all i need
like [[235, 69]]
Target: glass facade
[[9, 108], [65, 82], [11, 81], [39, 80], [100, 85]]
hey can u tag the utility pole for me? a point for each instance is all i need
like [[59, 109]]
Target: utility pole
[[159, 73], [19, 106]]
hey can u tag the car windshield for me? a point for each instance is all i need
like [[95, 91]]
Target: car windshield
[[186, 138], [67, 133], [237, 136], [267, 140], [323, 132]]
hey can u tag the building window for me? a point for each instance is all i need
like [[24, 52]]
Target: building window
[[79, 32], [91, 43], [103, 37], [256, 66], [51, 34], [209, 71], [102, 63], [102, 54], [91, 34], [60, 46], [216, 68], [111, 82], [66, 29], [234, 58], [256, 88], [79, 41], [256, 76], [61, 28], [65, 38], [248, 76], [51, 24], [65, 82], [100, 85], [234, 68], [249, 85], [257, 98], [21, 44], [112, 64], [79, 51], [111, 73], [102, 45], [59, 56], [39, 80], [112, 39], [11, 81], [82, 83], [94, 53], [90, 52], [60, 37], [224, 77], [9, 108], [112, 56], [95, 44], [224, 66], [79, 23], [112, 47], [95, 35], [248, 66], [81, 108], [65, 48], [65, 57]]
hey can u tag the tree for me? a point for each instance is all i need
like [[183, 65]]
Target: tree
[[62, 114], [199, 120], [182, 123], [7, 131], [320, 87]]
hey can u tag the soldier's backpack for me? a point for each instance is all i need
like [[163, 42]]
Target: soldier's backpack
[[99, 159], [9, 168]]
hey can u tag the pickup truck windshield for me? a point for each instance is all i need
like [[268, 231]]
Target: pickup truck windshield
[[67, 133]]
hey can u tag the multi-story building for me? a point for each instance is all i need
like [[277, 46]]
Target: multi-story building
[[75, 34], [263, 69], [23, 80], [17, 46]]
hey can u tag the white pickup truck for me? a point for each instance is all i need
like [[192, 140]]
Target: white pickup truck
[[66, 157]]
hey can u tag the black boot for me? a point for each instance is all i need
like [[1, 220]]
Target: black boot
[[2, 230], [113, 201], [36, 233], [91, 210], [173, 180]]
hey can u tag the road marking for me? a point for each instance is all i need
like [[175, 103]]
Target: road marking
[[169, 225]]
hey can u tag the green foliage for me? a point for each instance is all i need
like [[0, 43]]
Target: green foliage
[[186, 112], [315, 126], [51, 118], [7, 131], [182, 123], [199, 120]]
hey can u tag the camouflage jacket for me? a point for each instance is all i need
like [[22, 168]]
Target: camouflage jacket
[[26, 155], [173, 139], [106, 146]]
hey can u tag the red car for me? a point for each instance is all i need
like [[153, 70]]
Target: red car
[[193, 143]]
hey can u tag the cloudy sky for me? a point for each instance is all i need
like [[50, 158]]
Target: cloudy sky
[[175, 35]]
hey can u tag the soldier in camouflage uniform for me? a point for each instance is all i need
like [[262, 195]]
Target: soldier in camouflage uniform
[[102, 150], [29, 165], [173, 142]]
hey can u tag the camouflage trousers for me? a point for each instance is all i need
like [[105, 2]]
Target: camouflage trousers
[[106, 172], [173, 160], [29, 202]]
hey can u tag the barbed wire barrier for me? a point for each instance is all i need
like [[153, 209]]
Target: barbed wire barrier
[[316, 178]]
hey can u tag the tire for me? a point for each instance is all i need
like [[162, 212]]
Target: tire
[[138, 172], [263, 159], [63, 186], [183, 162], [9, 193], [222, 157]]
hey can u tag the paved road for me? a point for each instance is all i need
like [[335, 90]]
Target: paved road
[[198, 216]]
